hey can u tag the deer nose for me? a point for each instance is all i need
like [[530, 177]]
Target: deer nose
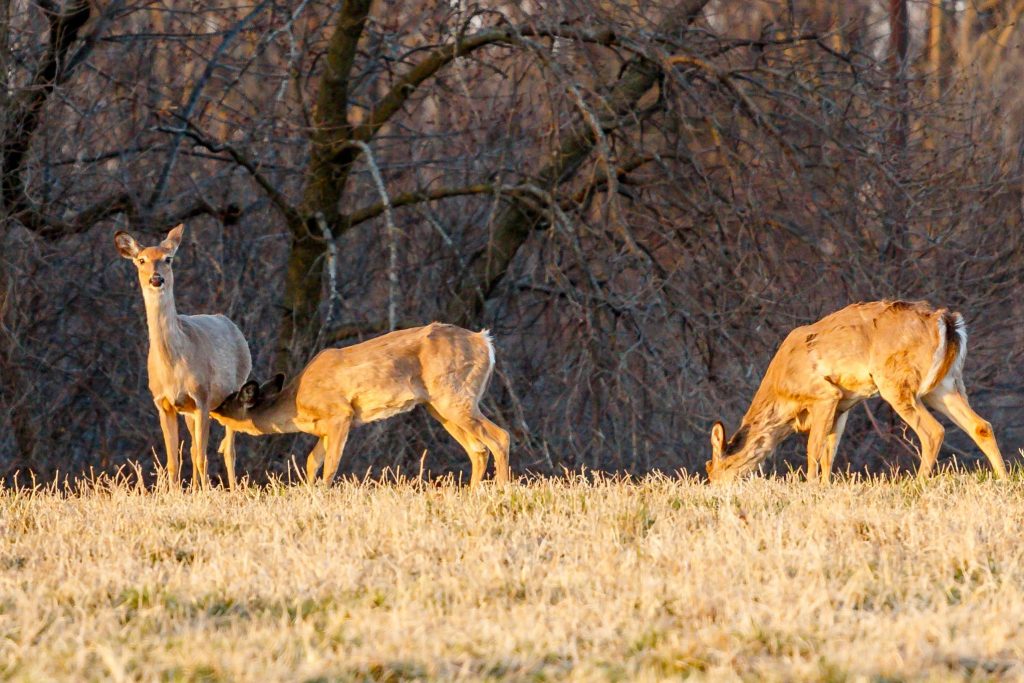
[[157, 280]]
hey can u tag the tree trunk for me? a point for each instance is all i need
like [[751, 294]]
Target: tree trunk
[[487, 267], [331, 160], [896, 218]]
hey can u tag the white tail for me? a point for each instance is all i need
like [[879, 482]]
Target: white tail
[[194, 361], [442, 367], [909, 353]]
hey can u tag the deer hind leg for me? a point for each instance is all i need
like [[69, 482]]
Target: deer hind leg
[[910, 408], [475, 449], [314, 460], [337, 435], [199, 425], [190, 427], [952, 402], [169, 427], [497, 442]]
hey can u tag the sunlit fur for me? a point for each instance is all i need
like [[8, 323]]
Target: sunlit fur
[[194, 361], [909, 353], [442, 367]]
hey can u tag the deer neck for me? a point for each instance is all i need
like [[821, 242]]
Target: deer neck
[[761, 430], [166, 339]]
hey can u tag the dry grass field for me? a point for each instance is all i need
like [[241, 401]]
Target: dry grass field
[[552, 580]]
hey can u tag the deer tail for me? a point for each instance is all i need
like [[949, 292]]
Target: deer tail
[[950, 352]]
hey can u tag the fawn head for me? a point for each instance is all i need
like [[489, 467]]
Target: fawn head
[[252, 395], [153, 263]]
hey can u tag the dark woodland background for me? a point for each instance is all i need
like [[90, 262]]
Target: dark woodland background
[[638, 198]]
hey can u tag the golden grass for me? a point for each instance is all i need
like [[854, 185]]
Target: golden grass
[[554, 580]]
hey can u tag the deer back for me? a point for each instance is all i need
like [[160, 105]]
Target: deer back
[[395, 372]]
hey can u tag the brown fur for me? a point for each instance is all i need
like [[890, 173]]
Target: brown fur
[[443, 367], [908, 352]]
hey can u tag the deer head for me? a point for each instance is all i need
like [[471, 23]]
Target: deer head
[[152, 263], [251, 396], [741, 450]]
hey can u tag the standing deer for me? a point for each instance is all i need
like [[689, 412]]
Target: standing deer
[[909, 353], [194, 361], [443, 367]]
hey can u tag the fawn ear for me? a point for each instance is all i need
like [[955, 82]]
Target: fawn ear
[[274, 385], [126, 244], [170, 245], [717, 441], [249, 394]]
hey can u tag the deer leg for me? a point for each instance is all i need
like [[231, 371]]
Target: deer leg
[[227, 449], [337, 435], [822, 418], [832, 439], [497, 442], [190, 425], [928, 430], [200, 435], [953, 404], [169, 427], [314, 460], [476, 451]]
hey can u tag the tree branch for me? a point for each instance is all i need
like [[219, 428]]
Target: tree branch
[[395, 98], [26, 107], [190, 131], [193, 99]]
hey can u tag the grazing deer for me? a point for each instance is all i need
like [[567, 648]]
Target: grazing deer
[[909, 353], [443, 367], [194, 361]]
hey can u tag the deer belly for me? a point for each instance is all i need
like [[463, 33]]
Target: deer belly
[[855, 389], [366, 413]]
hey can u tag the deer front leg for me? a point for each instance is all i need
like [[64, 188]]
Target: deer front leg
[[200, 425], [314, 460], [227, 449], [337, 435], [828, 454], [169, 427]]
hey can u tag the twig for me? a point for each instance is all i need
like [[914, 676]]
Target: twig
[[331, 267], [392, 233], [193, 99]]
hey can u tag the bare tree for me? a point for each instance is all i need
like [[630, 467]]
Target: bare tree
[[638, 199]]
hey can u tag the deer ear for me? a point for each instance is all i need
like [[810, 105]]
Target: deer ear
[[717, 441], [126, 244], [249, 394], [170, 245], [275, 384]]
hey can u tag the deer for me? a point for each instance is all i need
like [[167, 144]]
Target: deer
[[194, 362], [442, 367], [910, 354]]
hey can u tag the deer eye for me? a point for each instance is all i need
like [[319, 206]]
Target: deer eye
[[142, 261], [167, 260]]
